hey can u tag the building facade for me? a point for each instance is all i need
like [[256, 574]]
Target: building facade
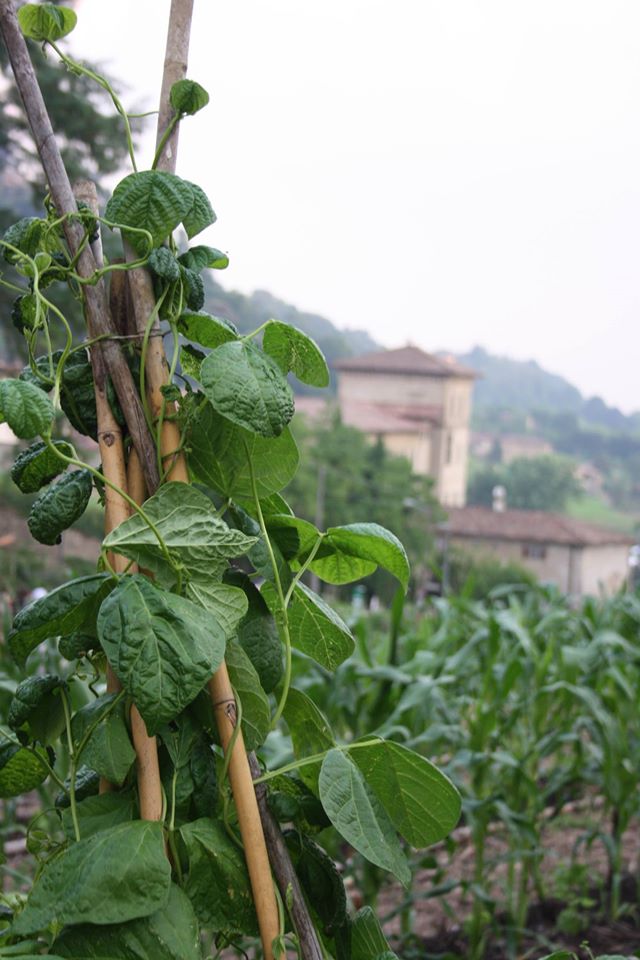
[[419, 405]]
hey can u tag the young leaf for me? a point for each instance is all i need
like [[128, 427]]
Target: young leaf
[[258, 636], [187, 97], [193, 286], [227, 604], [248, 388], [367, 938], [46, 21], [162, 647], [151, 200], [294, 351], [108, 750], [38, 465], [37, 704], [99, 813], [310, 733], [27, 233], [78, 885], [27, 410], [200, 213], [164, 264], [218, 456], [217, 883], [202, 257], [315, 628], [59, 506], [191, 361], [360, 542], [256, 714], [206, 330], [168, 934], [187, 522], [422, 803], [20, 769], [68, 608], [358, 815]]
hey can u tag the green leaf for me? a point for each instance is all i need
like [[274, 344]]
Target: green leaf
[[164, 264], [258, 636], [201, 257], [168, 934], [218, 456], [259, 555], [27, 410], [151, 200], [294, 351], [247, 387], [218, 883], [315, 628], [358, 815], [256, 713], [310, 734], [46, 21], [38, 465], [187, 97], [37, 704], [320, 880], [108, 750], [421, 802], [59, 506], [20, 769], [206, 330], [200, 213], [368, 542], [100, 812], [193, 286], [73, 606], [187, 522], [191, 361], [162, 647], [367, 939], [295, 536], [227, 604], [113, 876], [26, 234]]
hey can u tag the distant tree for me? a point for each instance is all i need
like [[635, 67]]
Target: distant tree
[[532, 483]]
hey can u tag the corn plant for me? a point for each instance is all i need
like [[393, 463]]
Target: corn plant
[[169, 823]]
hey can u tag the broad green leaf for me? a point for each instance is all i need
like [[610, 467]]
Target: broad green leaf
[[20, 769], [27, 410], [100, 812], [205, 329], [421, 802], [187, 522], [367, 939], [87, 785], [320, 880], [258, 636], [256, 714], [247, 387], [37, 705], [38, 465], [66, 609], [187, 97], [359, 543], [179, 739], [162, 647], [315, 628], [59, 506], [151, 200], [227, 604], [294, 351], [259, 555], [202, 766], [46, 21], [111, 877], [164, 264], [168, 934], [217, 883], [218, 456], [310, 734], [201, 257], [200, 213], [358, 815], [295, 536], [108, 750]]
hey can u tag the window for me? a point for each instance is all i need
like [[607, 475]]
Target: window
[[534, 551]]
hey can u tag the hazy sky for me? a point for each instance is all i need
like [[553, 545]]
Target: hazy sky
[[449, 172]]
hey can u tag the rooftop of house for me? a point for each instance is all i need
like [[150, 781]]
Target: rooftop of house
[[381, 418], [407, 360], [530, 525]]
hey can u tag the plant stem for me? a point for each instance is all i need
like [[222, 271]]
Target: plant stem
[[315, 758], [72, 763]]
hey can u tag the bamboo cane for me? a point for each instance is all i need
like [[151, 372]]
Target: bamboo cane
[[117, 510]]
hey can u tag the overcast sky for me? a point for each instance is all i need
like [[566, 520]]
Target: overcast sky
[[448, 172]]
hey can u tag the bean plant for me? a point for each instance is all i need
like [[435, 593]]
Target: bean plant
[[200, 574]]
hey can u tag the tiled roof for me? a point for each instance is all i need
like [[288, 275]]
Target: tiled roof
[[410, 360], [530, 525], [390, 418]]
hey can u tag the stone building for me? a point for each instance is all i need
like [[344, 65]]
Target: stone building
[[419, 405]]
